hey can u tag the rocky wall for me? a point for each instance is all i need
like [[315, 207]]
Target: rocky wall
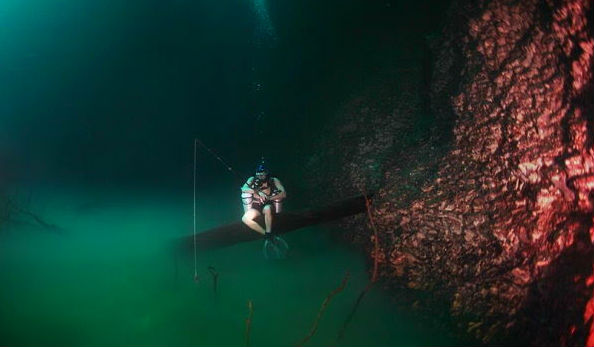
[[497, 221], [505, 230]]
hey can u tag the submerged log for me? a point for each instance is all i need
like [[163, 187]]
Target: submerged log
[[230, 234]]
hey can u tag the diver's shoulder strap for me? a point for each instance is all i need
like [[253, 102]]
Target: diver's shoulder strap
[[273, 183]]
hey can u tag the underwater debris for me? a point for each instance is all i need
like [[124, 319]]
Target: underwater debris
[[12, 208], [314, 326]]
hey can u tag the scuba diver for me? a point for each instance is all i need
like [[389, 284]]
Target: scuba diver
[[263, 194]]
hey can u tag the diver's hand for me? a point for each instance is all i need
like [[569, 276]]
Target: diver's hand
[[262, 196]]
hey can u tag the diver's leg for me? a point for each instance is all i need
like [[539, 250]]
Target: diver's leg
[[248, 219], [268, 217]]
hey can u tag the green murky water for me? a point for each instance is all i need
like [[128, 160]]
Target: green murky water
[[112, 277]]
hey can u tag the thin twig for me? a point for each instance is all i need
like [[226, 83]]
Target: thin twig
[[248, 323], [215, 277], [314, 327]]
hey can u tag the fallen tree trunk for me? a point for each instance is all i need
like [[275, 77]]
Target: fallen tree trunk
[[230, 234]]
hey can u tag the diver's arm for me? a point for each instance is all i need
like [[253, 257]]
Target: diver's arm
[[256, 193], [281, 190], [246, 186]]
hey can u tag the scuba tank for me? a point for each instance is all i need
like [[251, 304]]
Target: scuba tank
[[278, 206], [278, 203], [248, 201]]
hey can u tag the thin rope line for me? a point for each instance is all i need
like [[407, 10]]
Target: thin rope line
[[195, 258], [220, 159]]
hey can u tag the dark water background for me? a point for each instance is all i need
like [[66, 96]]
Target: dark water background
[[100, 101]]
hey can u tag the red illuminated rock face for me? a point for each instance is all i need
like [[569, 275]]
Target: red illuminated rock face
[[503, 230]]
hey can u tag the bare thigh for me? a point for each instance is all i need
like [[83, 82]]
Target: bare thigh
[[251, 213]]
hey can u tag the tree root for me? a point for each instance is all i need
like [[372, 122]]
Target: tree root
[[314, 326], [373, 275]]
